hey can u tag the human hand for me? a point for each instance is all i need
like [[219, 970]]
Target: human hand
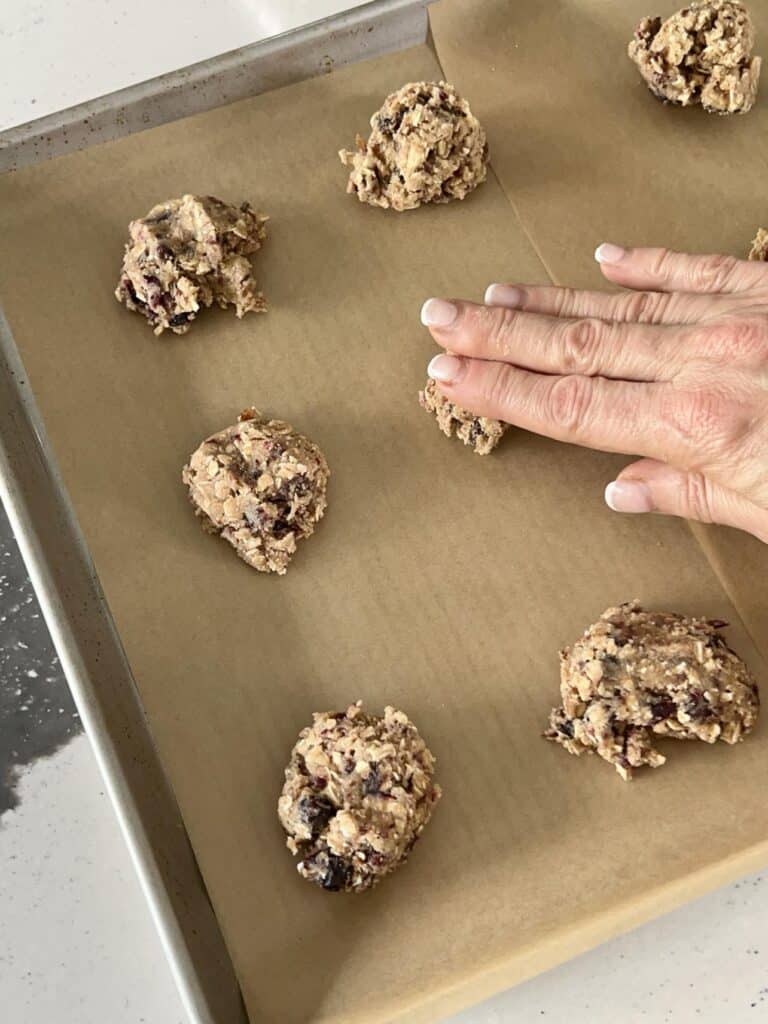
[[674, 369]]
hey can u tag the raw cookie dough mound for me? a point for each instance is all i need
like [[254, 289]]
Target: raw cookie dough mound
[[702, 54], [187, 254], [261, 486], [426, 146], [635, 675], [759, 250], [358, 792], [479, 432]]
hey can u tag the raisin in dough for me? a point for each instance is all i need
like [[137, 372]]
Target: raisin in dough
[[702, 54], [759, 250], [426, 146], [636, 675], [358, 793], [479, 432], [187, 254], [261, 486]]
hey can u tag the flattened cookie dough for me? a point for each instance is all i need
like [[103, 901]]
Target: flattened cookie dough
[[187, 254], [479, 432], [759, 250], [702, 54], [261, 486], [358, 793], [635, 675], [426, 146]]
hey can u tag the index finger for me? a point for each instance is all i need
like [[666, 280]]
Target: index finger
[[611, 415]]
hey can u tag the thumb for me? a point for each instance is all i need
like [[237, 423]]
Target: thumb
[[651, 486]]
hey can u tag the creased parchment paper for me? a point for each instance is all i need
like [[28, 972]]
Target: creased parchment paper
[[438, 581]]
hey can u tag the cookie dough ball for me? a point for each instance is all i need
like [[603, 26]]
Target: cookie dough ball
[[759, 250], [702, 54], [358, 792], [261, 486], [636, 675], [426, 146], [479, 432], [187, 254]]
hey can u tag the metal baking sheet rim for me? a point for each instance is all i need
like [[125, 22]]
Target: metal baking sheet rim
[[52, 544], [370, 30], [81, 627], [76, 613]]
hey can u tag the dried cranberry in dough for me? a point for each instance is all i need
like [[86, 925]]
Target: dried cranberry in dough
[[358, 792], [635, 676]]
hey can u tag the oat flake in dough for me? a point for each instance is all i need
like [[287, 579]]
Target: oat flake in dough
[[702, 54], [759, 249], [358, 793], [261, 486], [425, 146], [635, 675], [187, 254]]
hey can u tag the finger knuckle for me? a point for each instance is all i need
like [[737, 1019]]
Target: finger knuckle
[[581, 341], [697, 498], [662, 263], [568, 400], [712, 273], [708, 423], [744, 341], [642, 307], [498, 325], [566, 301]]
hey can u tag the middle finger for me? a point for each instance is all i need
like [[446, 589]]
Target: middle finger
[[587, 346]]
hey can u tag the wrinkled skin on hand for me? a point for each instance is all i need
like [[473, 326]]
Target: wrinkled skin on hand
[[673, 368]]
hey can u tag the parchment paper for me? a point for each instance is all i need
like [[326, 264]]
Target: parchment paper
[[586, 154], [439, 581]]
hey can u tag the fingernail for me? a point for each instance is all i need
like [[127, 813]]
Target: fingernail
[[628, 496], [438, 313], [502, 295], [609, 253], [446, 369]]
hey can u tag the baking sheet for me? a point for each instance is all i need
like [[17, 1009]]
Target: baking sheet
[[438, 581], [586, 154]]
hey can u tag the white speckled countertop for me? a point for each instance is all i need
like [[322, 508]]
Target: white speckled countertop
[[77, 945], [59, 53]]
